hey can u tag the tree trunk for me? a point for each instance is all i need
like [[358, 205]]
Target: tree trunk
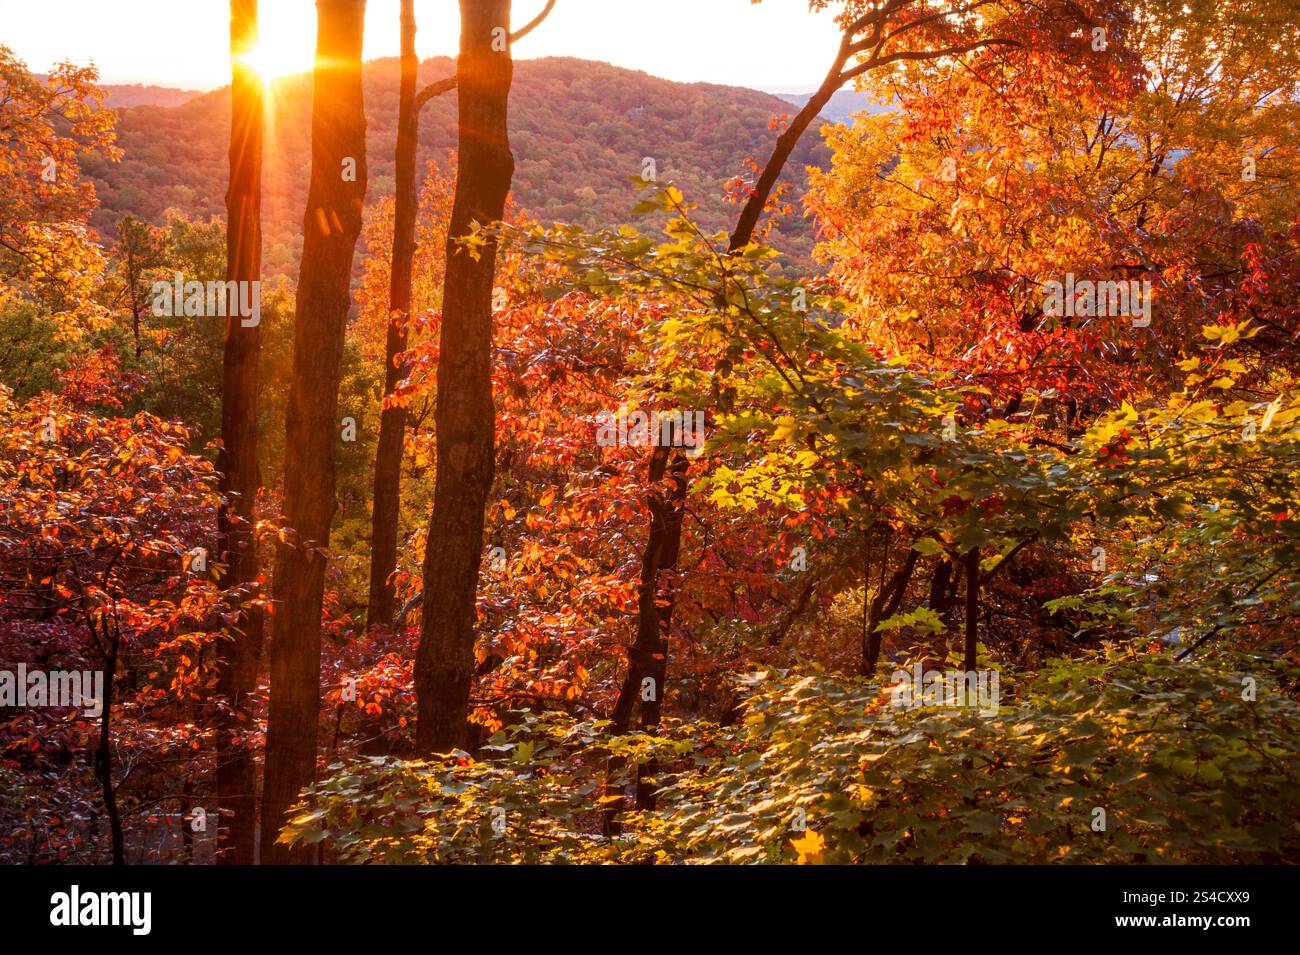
[[943, 591], [648, 656], [884, 606], [331, 227], [464, 415], [972, 607], [939, 585], [794, 613], [238, 658], [104, 756], [392, 422], [661, 592], [785, 143], [663, 544], [132, 280], [187, 810]]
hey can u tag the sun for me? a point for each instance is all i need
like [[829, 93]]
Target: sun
[[268, 63]]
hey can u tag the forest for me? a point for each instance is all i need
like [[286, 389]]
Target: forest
[[573, 126], [480, 461]]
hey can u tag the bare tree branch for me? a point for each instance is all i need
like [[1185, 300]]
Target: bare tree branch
[[532, 24], [448, 83]]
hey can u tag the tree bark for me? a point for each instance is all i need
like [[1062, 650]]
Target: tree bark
[[238, 659], [943, 593], [385, 509], [656, 595], [663, 545], [104, 755], [132, 281], [939, 584], [785, 144], [972, 607], [464, 415], [657, 600], [332, 225], [884, 606]]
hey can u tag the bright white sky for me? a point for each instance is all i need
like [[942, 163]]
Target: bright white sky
[[777, 45]]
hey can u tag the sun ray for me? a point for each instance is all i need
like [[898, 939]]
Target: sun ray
[[268, 63]]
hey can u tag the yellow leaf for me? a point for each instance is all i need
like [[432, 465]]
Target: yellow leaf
[[809, 847]]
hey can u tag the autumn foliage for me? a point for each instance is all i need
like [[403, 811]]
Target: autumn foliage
[[915, 459]]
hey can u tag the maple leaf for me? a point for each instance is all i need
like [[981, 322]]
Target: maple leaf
[[809, 847]]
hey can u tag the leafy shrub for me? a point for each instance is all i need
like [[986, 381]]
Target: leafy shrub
[[1186, 766]]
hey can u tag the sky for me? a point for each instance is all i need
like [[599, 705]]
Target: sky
[[777, 45]]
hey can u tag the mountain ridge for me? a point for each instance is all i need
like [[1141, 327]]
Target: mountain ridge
[[127, 95], [579, 130]]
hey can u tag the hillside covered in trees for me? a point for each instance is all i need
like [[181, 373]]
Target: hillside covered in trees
[[126, 95], [581, 129], [537, 462]]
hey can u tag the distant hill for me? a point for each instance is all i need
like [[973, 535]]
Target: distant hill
[[136, 94], [579, 131], [841, 107], [124, 95]]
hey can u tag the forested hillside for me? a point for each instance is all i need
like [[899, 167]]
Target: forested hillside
[[581, 130], [124, 95]]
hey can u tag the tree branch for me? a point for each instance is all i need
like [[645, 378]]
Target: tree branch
[[448, 83], [532, 24]]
